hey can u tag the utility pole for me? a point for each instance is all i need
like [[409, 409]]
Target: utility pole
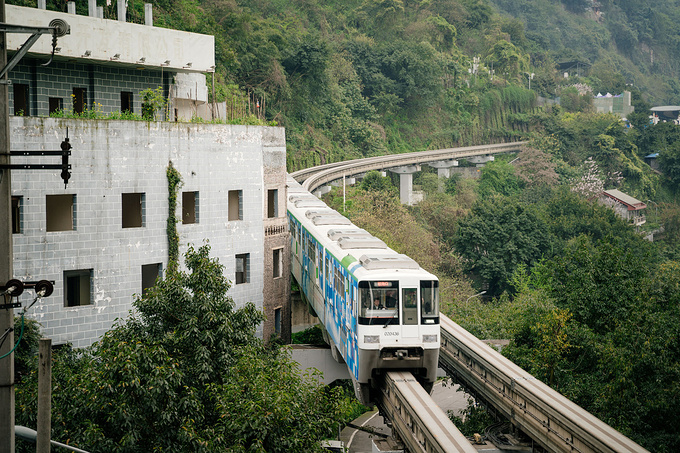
[[6, 270]]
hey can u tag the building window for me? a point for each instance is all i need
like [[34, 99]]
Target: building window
[[126, 101], [272, 203], [189, 207], [235, 205], [56, 105], [277, 322], [133, 210], [17, 212], [150, 274], [79, 100], [60, 212], [77, 288], [21, 100], [277, 255], [242, 268]]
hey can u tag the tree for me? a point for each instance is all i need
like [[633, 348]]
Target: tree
[[499, 178], [499, 235], [185, 373], [669, 163], [535, 167]]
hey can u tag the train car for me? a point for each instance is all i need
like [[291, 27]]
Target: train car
[[379, 309]]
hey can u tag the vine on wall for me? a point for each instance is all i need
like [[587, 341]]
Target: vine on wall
[[174, 183]]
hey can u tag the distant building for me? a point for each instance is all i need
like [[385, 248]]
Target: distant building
[[102, 238], [652, 160], [618, 105], [665, 113], [628, 208]]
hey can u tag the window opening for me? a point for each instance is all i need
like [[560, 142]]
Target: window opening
[[272, 203], [17, 212], [189, 207], [79, 100], [235, 205], [60, 212], [242, 268], [133, 210], [77, 287], [126, 101], [21, 100], [277, 258], [277, 322], [56, 105], [150, 274]]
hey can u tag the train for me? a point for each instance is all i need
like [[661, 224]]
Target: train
[[379, 310]]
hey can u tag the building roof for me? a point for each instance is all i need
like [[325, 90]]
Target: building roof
[[633, 204], [652, 156]]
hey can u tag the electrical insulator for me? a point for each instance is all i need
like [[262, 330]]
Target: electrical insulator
[[65, 152]]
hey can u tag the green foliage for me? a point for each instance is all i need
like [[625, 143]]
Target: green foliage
[[476, 419], [669, 163], [185, 373], [24, 354], [313, 336], [174, 183], [374, 181], [498, 178], [153, 101], [499, 235]]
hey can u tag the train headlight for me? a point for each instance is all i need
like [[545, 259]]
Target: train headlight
[[430, 338], [371, 338]]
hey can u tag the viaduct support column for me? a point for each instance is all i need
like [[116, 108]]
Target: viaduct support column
[[443, 170], [406, 182]]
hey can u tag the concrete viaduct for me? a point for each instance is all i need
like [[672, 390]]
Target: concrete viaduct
[[317, 179]]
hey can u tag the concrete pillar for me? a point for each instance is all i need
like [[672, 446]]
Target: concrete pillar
[[406, 182], [92, 8], [71, 7], [480, 159], [121, 10], [443, 170], [148, 14], [42, 4], [100, 12]]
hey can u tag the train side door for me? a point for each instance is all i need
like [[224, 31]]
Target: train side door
[[409, 312]]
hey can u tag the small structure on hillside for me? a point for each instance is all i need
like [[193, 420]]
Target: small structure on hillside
[[629, 208], [616, 104]]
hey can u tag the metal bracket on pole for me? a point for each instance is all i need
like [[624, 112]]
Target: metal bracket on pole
[[57, 28], [64, 166]]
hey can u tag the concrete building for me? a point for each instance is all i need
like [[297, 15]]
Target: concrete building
[[102, 238], [618, 105], [104, 64]]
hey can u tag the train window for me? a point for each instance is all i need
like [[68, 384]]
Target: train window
[[409, 301], [379, 302], [328, 270], [429, 302]]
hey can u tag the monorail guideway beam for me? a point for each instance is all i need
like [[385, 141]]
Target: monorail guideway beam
[[416, 420], [546, 416]]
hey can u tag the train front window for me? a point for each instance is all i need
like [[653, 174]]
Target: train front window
[[429, 302], [379, 302], [409, 298]]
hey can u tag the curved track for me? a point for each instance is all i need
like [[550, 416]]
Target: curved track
[[313, 178]]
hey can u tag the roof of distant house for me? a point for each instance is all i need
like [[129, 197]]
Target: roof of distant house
[[633, 204], [652, 156]]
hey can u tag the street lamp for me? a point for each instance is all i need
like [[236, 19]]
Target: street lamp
[[478, 294], [530, 76], [31, 435]]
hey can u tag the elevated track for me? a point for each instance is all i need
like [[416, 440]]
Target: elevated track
[[550, 419]]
